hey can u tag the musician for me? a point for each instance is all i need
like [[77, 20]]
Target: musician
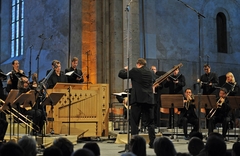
[[158, 91], [231, 85], [15, 74], [57, 76], [208, 81], [141, 97], [188, 113], [233, 90], [35, 112], [3, 121], [221, 114], [2, 78], [175, 83], [77, 76], [33, 85]]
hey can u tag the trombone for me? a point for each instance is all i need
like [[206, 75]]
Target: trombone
[[188, 101], [214, 110], [16, 116]]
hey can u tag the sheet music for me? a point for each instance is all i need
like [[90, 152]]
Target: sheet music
[[120, 94], [69, 73]]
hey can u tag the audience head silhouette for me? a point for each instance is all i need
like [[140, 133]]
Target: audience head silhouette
[[28, 145], [11, 149], [92, 146], [64, 145], [138, 145], [164, 147], [83, 152], [51, 151]]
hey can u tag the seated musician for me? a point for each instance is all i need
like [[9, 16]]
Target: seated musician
[[15, 74], [77, 76], [220, 114], [124, 100], [188, 114], [35, 112], [231, 85], [56, 76]]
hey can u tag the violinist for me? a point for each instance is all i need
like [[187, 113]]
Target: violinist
[[220, 114], [15, 75], [188, 113]]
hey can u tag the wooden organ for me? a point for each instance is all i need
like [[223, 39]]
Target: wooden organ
[[88, 110]]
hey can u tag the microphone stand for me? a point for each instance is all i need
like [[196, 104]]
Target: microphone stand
[[38, 56], [30, 62], [199, 51], [128, 55], [87, 53]]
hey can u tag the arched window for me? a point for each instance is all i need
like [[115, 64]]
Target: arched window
[[17, 25], [221, 33]]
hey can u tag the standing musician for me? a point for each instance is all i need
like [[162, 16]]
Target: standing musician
[[188, 113], [142, 101], [175, 82], [57, 75], [15, 74], [77, 76], [158, 91], [220, 114], [208, 81]]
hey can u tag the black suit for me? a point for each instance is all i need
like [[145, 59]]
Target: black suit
[[206, 79], [174, 88], [221, 116], [142, 100], [72, 78], [54, 78], [188, 115]]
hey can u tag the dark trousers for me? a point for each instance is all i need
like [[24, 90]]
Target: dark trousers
[[37, 118], [157, 115], [214, 120], [191, 120], [3, 125], [147, 110]]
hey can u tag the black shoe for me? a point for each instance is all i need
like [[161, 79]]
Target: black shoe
[[150, 146], [225, 139]]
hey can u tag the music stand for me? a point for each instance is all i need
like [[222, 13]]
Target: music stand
[[26, 100], [10, 98], [172, 101], [7, 105], [234, 102], [207, 101], [52, 100]]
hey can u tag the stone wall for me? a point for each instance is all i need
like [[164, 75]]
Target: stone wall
[[164, 32]]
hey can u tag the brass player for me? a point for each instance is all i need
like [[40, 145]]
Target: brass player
[[188, 113], [220, 114]]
